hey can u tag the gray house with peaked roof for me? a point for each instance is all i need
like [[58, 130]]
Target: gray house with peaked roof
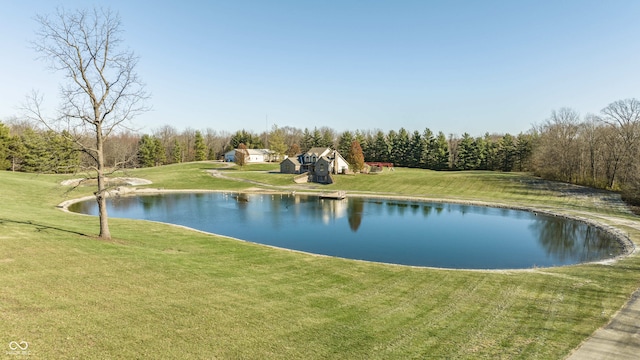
[[319, 162], [290, 166]]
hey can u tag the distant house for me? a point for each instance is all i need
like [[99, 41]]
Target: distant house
[[253, 156], [290, 165], [319, 162]]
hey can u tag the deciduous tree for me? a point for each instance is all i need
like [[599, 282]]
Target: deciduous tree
[[623, 118], [241, 155], [102, 92], [293, 150], [355, 158], [276, 142], [558, 156]]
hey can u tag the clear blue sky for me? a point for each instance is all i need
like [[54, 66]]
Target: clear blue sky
[[453, 66]]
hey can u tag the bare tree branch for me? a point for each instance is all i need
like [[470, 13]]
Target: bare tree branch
[[103, 91]]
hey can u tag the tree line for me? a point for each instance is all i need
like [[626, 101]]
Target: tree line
[[597, 150], [24, 147]]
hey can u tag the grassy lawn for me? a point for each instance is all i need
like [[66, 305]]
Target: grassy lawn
[[160, 292]]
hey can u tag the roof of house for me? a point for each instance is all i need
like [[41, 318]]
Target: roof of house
[[318, 151], [293, 160], [258, 151], [252, 151]]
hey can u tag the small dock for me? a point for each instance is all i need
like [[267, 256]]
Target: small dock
[[337, 195]]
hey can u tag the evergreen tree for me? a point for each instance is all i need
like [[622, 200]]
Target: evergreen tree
[[524, 150], [380, 148], [481, 151], [176, 152], [147, 151], [507, 152], [160, 153], [17, 152], [67, 158], [328, 137], [416, 149], [399, 149], [441, 152], [48, 152], [344, 142], [391, 139], [5, 141], [307, 141], [490, 153], [316, 138], [250, 141], [35, 156], [199, 147], [467, 154], [427, 159]]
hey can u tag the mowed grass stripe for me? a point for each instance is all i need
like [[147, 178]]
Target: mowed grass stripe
[[158, 291]]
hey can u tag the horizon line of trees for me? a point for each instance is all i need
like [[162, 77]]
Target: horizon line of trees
[[168, 146], [597, 150]]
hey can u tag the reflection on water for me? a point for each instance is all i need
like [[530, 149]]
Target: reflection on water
[[355, 211], [393, 231], [570, 239]]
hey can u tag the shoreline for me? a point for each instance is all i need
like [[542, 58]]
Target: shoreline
[[628, 247]]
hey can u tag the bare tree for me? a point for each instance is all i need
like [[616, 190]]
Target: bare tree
[[187, 140], [558, 157], [121, 150], [590, 134], [102, 91], [241, 155], [167, 136], [623, 117]]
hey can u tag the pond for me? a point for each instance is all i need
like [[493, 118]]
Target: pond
[[381, 230]]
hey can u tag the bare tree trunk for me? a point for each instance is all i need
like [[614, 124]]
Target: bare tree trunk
[[102, 187]]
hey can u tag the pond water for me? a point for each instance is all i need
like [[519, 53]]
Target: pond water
[[381, 230]]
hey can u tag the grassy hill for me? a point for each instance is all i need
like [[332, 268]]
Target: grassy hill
[[158, 291]]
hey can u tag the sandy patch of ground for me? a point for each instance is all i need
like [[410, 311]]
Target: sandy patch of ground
[[110, 181]]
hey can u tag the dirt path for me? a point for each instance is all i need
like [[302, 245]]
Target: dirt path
[[219, 174], [620, 338]]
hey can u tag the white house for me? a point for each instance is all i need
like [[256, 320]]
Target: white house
[[253, 155]]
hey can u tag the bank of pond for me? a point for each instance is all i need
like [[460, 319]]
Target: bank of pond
[[405, 232]]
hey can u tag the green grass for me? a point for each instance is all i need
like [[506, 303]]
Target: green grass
[[158, 291]]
